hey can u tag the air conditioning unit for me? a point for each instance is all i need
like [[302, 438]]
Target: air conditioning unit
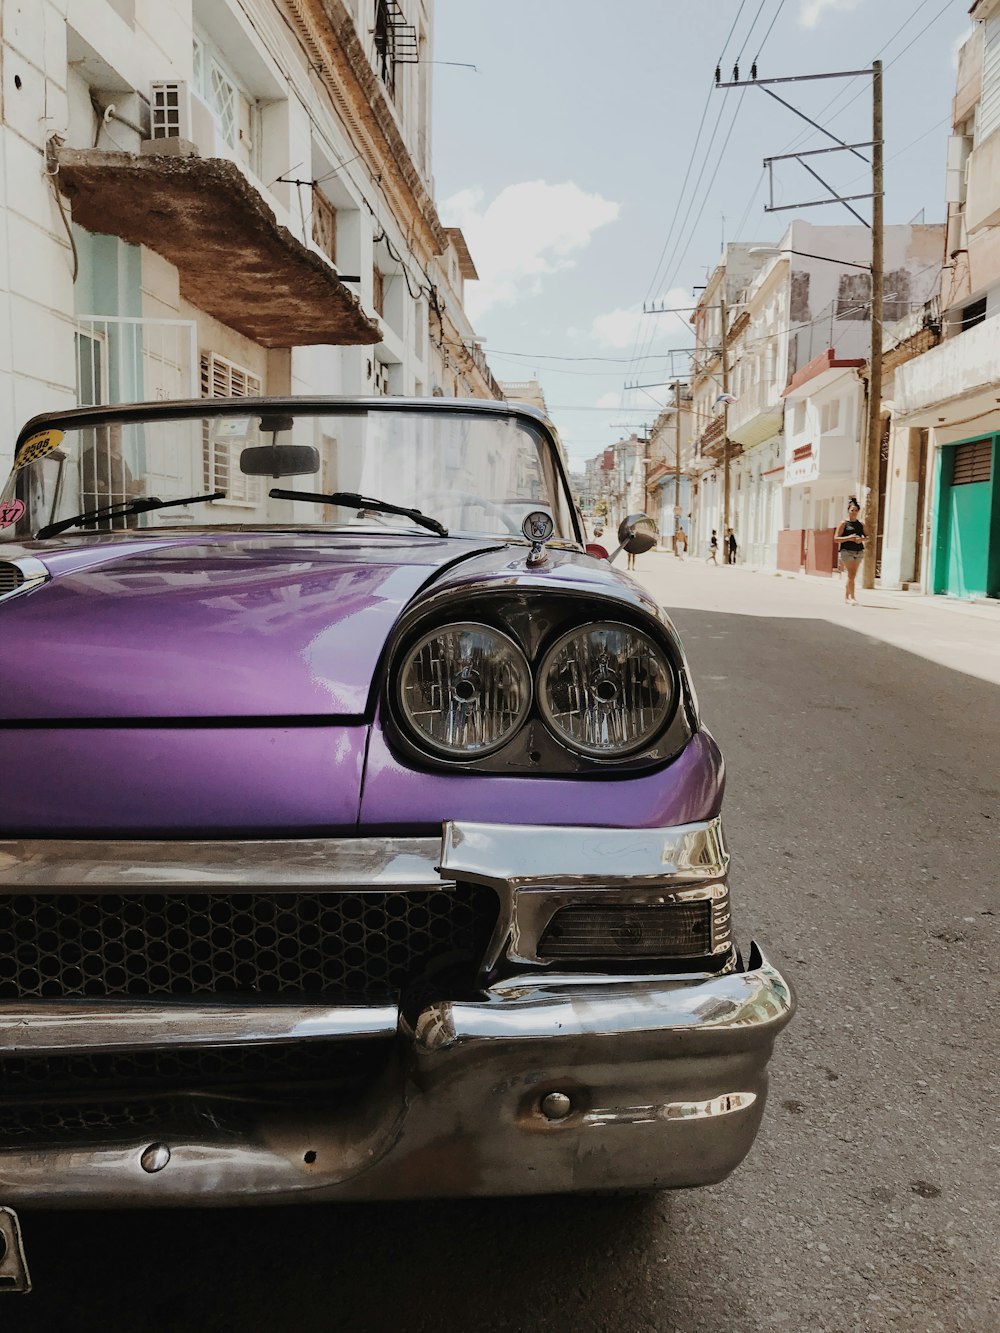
[[178, 112]]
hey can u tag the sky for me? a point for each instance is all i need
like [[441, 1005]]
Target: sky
[[594, 167]]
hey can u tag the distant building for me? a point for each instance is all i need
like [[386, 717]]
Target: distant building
[[798, 337], [524, 391]]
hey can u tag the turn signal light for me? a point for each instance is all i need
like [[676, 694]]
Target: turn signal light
[[670, 930]]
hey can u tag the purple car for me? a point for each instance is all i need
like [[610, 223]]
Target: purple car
[[359, 833]]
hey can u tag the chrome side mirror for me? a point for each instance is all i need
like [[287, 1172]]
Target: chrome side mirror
[[636, 534]]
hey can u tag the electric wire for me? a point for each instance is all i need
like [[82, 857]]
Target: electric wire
[[643, 344]]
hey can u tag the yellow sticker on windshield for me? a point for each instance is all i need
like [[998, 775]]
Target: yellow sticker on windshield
[[37, 446]]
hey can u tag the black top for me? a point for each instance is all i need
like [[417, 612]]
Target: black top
[[853, 527]]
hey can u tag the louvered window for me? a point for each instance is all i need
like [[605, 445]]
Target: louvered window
[[224, 379], [973, 462], [324, 225]]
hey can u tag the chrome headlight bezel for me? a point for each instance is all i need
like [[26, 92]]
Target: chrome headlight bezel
[[516, 659], [534, 619], [606, 754]]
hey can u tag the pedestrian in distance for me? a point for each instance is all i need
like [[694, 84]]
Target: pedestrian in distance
[[631, 560], [730, 547], [851, 538], [713, 549], [682, 543]]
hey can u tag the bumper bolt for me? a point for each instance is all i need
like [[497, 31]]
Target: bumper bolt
[[556, 1106], [155, 1158]]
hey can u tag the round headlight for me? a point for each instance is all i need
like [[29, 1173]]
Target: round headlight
[[464, 690], [606, 690]]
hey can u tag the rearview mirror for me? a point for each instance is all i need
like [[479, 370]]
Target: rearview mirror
[[280, 460], [636, 534]]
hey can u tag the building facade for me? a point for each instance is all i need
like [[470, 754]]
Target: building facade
[[945, 418], [219, 197], [797, 336]]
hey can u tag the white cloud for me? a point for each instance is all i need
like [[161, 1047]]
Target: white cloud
[[529, 230], [811, 12], [620, 328], [609, 399]]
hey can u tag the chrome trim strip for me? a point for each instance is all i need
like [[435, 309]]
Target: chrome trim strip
[[538, 870], [359, 864], [46, 1027], [711, 1109], [35, 574], [759, 1001], [562, 857]]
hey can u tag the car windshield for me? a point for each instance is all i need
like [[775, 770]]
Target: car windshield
[[476, 473]]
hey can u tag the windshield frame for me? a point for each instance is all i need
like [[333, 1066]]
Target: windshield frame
[[534, 421]]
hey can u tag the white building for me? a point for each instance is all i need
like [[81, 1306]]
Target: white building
[[797, 327], [943, 494], [208, 197]]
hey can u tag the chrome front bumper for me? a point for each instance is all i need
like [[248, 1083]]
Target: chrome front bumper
[[546, 1082]]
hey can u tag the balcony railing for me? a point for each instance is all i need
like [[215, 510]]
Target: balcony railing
[[122, 360], [710, 441]]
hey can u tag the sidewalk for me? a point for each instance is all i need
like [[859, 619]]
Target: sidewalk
[[963, 636]]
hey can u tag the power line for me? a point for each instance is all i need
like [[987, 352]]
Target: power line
[[668, 285]]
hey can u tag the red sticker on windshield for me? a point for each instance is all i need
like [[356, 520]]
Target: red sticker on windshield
[[10, 512]]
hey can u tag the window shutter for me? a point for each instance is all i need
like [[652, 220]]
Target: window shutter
[[224, 379]]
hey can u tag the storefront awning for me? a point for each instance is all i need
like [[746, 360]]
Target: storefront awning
[[235, 261]]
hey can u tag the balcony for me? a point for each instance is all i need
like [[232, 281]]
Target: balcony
[[961, 369], [982, 202], [235, 262], [710, 443], [757, 414]]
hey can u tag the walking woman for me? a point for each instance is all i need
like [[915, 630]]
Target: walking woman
[[851, 538]]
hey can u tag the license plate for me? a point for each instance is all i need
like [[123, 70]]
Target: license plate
[[13, 1268]]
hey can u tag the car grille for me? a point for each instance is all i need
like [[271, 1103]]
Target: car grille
[[290, 1064], [11, 577], [70, 1122], [96, 1096], [343, 945]]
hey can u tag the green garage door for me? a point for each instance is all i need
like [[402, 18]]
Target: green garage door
[[968, 544]]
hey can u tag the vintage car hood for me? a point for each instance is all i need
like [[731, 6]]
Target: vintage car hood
[[221, 625]]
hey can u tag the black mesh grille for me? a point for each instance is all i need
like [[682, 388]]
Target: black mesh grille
[[74, 1123], [104, 1095], [265, 1065], [675, 930], [344, 945]]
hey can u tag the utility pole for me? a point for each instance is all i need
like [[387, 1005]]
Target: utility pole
[[873, 459], [677, 464], [873, 451], [724, 315]]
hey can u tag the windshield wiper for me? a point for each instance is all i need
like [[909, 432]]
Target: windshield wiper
[[351, 501], [140, 505]]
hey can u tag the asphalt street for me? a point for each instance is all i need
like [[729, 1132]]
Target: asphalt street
[[863, 811]]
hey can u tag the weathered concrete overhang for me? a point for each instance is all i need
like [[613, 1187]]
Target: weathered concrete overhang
[[819, 372], [235, 262]]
